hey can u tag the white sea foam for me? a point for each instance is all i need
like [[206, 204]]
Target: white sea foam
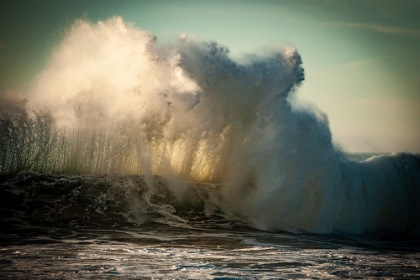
[[190, 112]]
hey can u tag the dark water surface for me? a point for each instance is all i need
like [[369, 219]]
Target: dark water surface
[[89, 227], [162, 251]]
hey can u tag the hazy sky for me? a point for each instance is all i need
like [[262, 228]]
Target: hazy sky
[[361, 58]]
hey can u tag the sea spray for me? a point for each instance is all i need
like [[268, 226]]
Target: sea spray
[[112, 101]]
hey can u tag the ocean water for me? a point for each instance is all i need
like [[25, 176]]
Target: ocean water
[[85, 227], [130, 159]]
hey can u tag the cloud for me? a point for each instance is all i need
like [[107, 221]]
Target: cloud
[[374, 27]]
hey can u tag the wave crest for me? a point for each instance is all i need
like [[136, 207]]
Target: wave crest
[[111, 100]]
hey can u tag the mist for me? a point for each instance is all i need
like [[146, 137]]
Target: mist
[[112, 101]]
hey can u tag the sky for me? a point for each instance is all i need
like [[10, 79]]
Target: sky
[[361, 58]]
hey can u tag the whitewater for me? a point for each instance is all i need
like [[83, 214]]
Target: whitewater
[[127, 158]]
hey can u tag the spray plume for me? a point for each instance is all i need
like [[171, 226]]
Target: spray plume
[[116, 102]]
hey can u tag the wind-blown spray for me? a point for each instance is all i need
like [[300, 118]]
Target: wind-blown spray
[[119, 103]]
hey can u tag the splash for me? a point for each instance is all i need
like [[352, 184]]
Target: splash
[[113, 101], [189, 110]]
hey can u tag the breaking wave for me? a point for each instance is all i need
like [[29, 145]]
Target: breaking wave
[[112, 101]]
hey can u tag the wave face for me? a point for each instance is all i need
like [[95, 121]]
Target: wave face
[[95, 200], [112, 101]]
